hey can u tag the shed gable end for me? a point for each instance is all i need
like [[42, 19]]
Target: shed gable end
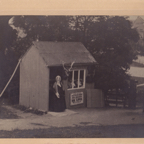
[[34, 84]]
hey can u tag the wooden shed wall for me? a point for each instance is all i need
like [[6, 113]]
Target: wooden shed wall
[[34, 81]]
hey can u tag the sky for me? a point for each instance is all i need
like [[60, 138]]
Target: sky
[[134, 17]]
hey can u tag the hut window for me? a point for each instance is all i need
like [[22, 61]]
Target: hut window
[[76, 79]]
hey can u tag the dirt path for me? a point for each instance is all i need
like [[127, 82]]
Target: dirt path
[[72, 118]]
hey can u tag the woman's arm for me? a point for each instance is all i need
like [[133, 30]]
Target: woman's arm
[[56, 90]]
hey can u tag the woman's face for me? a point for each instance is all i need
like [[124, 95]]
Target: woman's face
[[58, 78]]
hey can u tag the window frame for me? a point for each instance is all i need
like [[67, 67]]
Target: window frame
[[84, 79]]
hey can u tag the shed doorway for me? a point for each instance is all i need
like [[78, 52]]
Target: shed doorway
[[56, 92]]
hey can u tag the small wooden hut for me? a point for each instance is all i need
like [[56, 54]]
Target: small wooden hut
[[43, 62]]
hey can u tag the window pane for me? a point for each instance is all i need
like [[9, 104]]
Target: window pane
[[70, 80], [81, 81], [75, 79]]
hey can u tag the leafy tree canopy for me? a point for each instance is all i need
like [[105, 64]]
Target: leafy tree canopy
[[7, 59], [110, 40]]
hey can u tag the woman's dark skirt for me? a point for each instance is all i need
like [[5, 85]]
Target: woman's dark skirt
[[56, 104]]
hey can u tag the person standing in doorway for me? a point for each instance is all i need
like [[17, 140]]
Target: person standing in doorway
[[57, 102]]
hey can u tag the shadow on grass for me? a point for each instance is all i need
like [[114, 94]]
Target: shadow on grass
[[29, 110], [7, 114], [117, 131]]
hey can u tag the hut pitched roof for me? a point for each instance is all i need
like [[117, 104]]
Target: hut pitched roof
[[54, 53]]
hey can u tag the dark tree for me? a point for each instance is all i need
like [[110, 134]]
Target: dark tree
[[42, 28], [110, 40], [7, 58], [114, 51]]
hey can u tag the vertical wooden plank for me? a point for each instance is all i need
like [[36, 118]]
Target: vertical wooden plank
[[43, 87], [48, 77], [89, 98], [94, 98], [24, 97], [72, 79], [84, 77], [78, 77]]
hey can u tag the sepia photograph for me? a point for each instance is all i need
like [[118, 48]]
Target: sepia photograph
[[72, 76]]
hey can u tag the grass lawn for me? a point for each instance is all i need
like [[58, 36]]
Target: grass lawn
[[118, 131]]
